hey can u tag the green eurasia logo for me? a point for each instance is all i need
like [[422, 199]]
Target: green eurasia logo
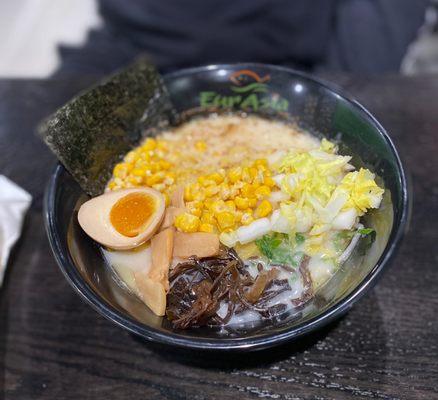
[[249, 92]]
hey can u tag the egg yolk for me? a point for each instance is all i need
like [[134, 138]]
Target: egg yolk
[[130, 215]]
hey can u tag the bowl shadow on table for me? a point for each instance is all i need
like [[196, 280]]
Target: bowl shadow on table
[[226, 360], [360, 332]]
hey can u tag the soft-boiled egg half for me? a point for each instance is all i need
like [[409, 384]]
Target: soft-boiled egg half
[[123, 219]]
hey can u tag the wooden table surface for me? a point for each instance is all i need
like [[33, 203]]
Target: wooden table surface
[[54, 346]]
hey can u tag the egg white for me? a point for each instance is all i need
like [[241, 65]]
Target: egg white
[[94, 218]]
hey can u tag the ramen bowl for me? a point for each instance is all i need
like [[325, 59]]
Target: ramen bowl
[[271, 92]]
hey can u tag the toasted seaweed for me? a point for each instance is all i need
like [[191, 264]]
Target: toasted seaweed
[[94, 130]]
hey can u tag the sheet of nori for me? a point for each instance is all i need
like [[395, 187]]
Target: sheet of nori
[[94, 130]]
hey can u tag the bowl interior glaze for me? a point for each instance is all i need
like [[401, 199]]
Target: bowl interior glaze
[[272, 92]]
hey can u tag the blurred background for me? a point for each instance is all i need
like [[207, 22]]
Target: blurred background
[[43, 38]]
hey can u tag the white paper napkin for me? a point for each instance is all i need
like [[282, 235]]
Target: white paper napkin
[[14, 202]]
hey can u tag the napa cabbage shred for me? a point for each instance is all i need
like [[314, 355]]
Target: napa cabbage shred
[[320, 193]]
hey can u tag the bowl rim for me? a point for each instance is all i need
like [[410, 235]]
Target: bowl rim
[[261, 340]]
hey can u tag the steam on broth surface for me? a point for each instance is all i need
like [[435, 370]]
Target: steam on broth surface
[[258, 215]]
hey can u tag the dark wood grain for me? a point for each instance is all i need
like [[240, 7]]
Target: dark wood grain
[[53, 346]]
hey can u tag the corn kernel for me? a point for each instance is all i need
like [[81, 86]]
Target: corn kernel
[[248, 190], [199, 195], [208, 218], [246, 177], [263, 209], [252, 202], [188, 195], [121, 170], [262, 191], [230, 205], [112, 185], [233, 192], [194, 204], [216, 178], [247, 218], [238, 215], [211, 190], [168, 181], [268, 181], [208, 203], [138, 172], [241, 203], [194, 208], [170, 175], [252, 172], [201, 180], [217, 206], [159, 186], [161, 145], [234, 174], [144, 157], [224, 191], [197, 212], [206, 228], [166, 199], [187, 223], [158, 177], [261, 162], [201, 146], [261, 169], [131, 156], [140, 163], [134, 180], [149, 144], [209, 182], [225, 220], [154, 167], [165, 164]]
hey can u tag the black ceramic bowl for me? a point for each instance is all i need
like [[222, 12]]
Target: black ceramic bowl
[[273, 92]]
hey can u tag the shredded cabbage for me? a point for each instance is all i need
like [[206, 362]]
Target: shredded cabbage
[[323, 193]]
